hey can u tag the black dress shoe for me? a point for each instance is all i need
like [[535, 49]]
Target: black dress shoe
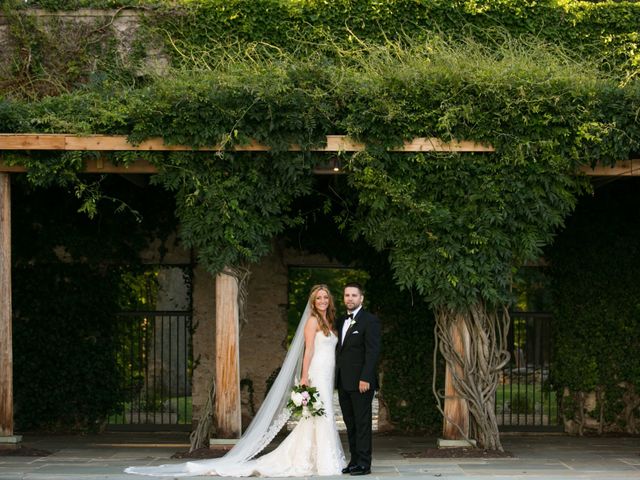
[[348, 469], [360, 470]]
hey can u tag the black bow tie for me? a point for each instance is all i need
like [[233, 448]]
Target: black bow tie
[[350, 315]]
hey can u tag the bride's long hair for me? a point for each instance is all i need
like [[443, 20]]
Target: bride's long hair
[[327, 324]]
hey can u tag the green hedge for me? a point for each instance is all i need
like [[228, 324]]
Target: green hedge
[[200, 33], [65, 343], [605, 31], [595, 271]]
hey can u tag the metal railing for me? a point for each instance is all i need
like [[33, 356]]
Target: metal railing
[[525, 399], [156, 366]]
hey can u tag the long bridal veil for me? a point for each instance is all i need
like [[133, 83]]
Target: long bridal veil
[[270, 418]]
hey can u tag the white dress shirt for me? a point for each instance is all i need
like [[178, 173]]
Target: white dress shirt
[[347, 323]]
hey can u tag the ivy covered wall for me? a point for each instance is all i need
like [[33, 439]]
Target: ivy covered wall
[[595, 270], [54, 54], [605, 31], [69, 281]]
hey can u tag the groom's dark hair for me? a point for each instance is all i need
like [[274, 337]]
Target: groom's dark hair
[[355, 285]]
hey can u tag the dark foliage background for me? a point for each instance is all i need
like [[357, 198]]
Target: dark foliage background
[[66, 376], [595, 270], [67, 287]]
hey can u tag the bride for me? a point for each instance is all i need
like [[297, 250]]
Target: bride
[[313, 447]]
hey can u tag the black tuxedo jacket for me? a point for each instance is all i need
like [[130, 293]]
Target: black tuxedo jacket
[[357, 357]]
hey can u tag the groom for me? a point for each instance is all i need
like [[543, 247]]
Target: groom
[[357, 355]]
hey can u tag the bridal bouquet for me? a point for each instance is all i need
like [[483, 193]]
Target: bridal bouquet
[[304, 402]]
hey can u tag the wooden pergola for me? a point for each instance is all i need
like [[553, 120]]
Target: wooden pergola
[[227, 380]]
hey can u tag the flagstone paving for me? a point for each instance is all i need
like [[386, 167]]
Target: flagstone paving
[[94, 457]]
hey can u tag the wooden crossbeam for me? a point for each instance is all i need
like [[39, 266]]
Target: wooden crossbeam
[[628, 168], [99, 165], [622, 168], [335, 143]]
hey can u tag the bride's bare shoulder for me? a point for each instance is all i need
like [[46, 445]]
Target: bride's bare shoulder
[[312, 323]]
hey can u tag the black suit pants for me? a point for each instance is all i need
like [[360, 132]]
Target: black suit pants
[[356, 411]]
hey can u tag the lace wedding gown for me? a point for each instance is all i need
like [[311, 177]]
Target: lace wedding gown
[[312, 448]]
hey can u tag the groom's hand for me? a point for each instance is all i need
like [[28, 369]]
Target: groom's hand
[[364, 386]]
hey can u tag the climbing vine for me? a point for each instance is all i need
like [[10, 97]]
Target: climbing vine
[[455, 228], [48, 55], [604, 31]]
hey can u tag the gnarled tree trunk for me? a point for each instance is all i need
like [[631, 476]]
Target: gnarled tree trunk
[[474, 366]]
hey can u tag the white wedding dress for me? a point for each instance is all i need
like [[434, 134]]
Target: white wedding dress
[[312, 448]]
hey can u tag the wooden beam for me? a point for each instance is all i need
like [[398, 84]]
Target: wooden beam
[[627, 168], [623, 168], [334, 143], [104, 166], [11, 168], [227, 381], [437, 145], [27, 141], [96, 166], [6, 353], [116, 143]]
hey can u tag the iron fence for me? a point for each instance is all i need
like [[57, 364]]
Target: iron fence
[[156, 366], [526, 399]]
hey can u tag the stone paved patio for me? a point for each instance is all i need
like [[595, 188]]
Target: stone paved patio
[[94, 457]]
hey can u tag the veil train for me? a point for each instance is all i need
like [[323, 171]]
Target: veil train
[[270, 418]]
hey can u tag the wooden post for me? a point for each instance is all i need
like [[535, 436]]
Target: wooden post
[[227, 402], [456, 408], [6, 354]]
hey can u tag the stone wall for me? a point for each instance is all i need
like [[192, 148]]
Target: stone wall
[[204, 341], [69, 30], [262, 338]]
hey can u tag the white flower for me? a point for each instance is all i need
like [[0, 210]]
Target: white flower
[[352, 322], [296, 398]]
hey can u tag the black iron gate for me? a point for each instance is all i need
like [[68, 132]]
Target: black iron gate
[[156, 365], [526, 399]]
